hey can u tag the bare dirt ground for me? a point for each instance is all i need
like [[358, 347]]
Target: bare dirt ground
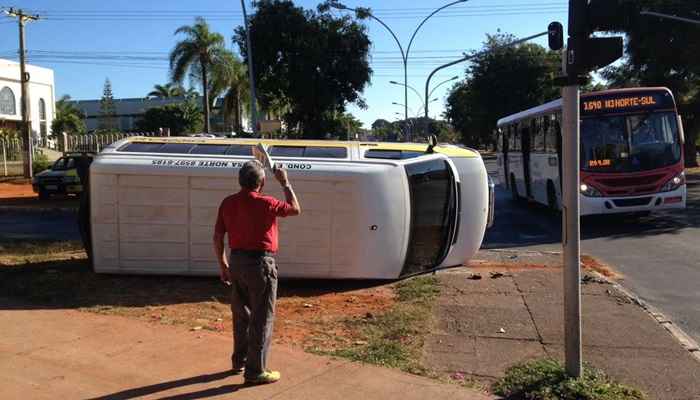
[[309, 313], [17, 192], [16, 188]]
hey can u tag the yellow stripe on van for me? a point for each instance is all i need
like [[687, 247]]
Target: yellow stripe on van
[[448, 150]]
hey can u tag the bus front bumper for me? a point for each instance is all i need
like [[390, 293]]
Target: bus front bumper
[[651, 202]]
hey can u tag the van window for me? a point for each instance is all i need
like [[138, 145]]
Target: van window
[[326, 152], [141, 147], [286, 151], [433, 210], [179, 148], [239, 150], [308, 151], [218, 149], [392, 154]]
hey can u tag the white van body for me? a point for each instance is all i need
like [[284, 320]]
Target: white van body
[[154, 213]]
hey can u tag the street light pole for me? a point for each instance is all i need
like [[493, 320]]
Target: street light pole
[[404, 55], [22, 18], [469, 57], [251, 75], [437, 86], [420, 98]]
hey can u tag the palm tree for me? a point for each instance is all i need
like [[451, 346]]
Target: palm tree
[[166, 91], [230, 79], [200, 49], [68, 118]]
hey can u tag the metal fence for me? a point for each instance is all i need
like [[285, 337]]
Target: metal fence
[[12, 154], [96, 142]]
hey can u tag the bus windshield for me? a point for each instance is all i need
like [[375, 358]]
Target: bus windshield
[[629, 143]]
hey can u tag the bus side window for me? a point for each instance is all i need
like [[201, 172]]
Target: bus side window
[[551, 139], [539, 135], [514, 139], [499, 141]]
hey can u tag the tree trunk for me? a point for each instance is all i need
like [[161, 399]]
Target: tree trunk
[[205, 98], [237, 111], [691, 148]]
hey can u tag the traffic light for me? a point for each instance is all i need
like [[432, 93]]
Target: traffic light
[[586, 53], [555, 36]]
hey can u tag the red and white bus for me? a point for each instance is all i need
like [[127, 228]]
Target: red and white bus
[[631, 152]]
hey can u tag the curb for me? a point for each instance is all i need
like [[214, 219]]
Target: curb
[[687, 342]]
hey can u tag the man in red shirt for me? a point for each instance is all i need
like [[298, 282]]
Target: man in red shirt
[[250, 220]]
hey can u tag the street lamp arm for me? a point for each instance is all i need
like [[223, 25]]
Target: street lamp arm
[[420, 98], [465, 58], [672, 17], [369, 14], [410, 42], [440, 84]]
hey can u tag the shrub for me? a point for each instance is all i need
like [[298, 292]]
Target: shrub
[[547, 380], [40, 162]]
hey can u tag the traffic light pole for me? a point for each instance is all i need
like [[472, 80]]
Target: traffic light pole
[[571, 233]]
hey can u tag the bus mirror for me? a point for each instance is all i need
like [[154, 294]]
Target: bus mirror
[[681, 132]]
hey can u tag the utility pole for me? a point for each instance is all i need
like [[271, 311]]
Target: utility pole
[[583, 54], [24, 79], [251, 75]]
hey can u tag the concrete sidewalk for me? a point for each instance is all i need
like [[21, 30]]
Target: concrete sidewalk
[[64, 354], [486, 325]]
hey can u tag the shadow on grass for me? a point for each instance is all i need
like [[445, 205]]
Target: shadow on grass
[[72, 284]]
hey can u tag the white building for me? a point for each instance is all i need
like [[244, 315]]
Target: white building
[[41, 93]]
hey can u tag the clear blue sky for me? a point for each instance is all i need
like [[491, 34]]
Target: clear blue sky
[[134, 38]]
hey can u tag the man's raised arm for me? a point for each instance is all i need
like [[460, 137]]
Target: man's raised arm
[[289, 196]]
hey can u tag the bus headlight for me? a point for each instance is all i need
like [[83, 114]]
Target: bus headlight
[[589, 191], [674, 183]]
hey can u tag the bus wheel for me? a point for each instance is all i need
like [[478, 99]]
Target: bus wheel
[[514, 190], [552, 202]]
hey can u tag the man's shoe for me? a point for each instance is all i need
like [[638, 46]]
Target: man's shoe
[[263, 378], [237, 370]]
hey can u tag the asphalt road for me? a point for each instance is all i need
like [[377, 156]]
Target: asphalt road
[[658, 256]]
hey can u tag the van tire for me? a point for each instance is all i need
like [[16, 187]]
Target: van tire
[[43, 194]]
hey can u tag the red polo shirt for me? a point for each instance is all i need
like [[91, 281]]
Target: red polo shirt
[[250, 219]]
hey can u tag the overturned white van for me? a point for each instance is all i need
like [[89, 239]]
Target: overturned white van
[[154, 202]]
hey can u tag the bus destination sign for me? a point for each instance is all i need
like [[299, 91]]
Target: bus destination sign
[[631, 102]]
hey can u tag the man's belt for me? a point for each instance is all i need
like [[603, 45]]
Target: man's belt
[[252, 253]]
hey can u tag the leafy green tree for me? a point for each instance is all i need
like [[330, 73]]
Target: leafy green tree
[[383, 130], [230, 80], [68, 118], [195, 54], [500, 82], [348, 126], [107, 121], [310, 62], [662, 52], [180, 118], [166, 91]]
